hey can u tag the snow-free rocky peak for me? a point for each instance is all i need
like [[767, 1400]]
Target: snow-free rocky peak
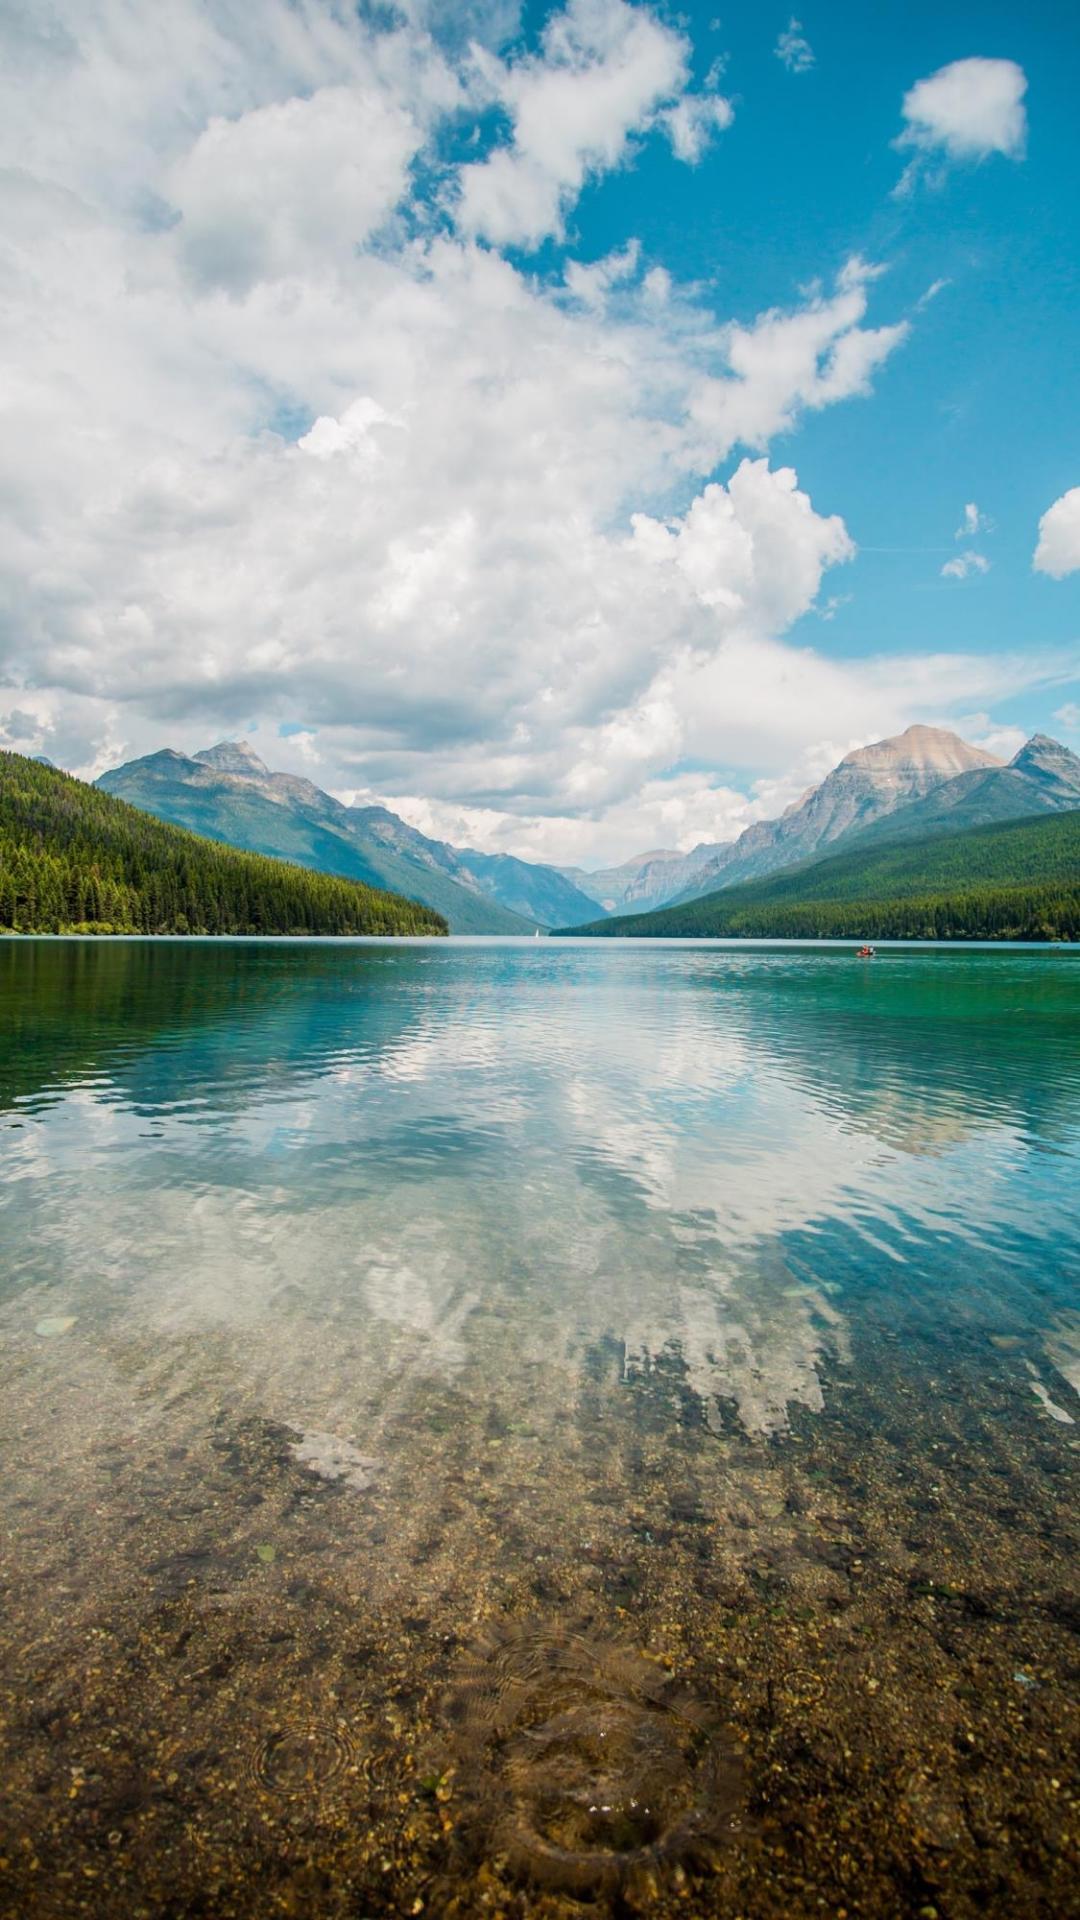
[[1044, 759], [919, 750], [233, 756]]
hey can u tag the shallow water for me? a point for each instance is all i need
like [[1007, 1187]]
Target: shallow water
[[538, 1428]]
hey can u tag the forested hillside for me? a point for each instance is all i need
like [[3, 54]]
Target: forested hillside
[[73, 859], [1015, 882], [227, 793]]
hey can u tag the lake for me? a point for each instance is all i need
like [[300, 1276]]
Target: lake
[[538, 1428]]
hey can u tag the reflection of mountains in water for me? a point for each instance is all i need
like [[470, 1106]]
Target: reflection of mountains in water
[[919, 1050], [664, 1154], [166, 1021]]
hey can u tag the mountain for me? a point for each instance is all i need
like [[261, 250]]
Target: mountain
[[1017, 881], [1044, 777], [229, 794], [542, 895], [647, 880], [74, 859], [868, 784]]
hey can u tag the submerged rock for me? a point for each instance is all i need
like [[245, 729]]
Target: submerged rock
[[335, 1459]]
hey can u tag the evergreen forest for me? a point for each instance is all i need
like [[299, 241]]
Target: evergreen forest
[[1020, 881], [76, 860]]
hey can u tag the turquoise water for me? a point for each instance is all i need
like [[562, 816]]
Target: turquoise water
[[528, 1310]]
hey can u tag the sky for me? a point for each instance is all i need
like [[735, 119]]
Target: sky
[[575, 425]]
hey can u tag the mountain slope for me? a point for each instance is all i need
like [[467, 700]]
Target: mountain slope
[[1044, 777], [647, 880], [75, 859], [541, 894], [1019, 881], [868, 784], [228, 794], [538, 894]]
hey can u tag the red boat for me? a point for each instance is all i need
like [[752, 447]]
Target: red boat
[[866, 953]]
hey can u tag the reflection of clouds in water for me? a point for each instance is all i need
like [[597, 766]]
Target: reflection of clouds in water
[[565, 1158], [1042, 1395], [763, 1350], [426, 1299], [283, 1291], [1063, 1347]]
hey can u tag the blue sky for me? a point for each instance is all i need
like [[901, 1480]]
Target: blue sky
[[983, 402], [420, 391]]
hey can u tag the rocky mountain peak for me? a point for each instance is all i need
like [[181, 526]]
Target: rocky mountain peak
[[931, 750], [1043, 758], [234, 756]]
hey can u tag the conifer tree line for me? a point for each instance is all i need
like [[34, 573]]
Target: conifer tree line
[[1016, 880], [1003, 913], [75, 860]]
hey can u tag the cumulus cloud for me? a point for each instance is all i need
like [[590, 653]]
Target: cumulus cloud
[[693, 123], [793, 49], [786, 362], [287, 448], [592, 282], [292, 184], [753, 552], [1058, 551], [964, 565], [965, 112], [678, 811], [603, 72]]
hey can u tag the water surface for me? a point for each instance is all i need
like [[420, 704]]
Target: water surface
[[538, 1428]]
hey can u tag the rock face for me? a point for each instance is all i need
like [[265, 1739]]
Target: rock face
[[867, 785], [235, 756], [1052, 765], [1044, 777], [228, 793], [648, 880]]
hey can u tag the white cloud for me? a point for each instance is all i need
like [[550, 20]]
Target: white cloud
[[794, 49], [974, 522], [353, 435], [785, 362], [293, 184], [1069, 716], [692, 124], [678, 811], [603, 72], [1058, 551], [753, 552], [965, 564], [1004, 741], [260, 468], [965, 112], [593, 282]]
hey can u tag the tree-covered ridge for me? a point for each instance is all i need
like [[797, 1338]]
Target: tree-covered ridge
[[76, 860], [1020, 881]]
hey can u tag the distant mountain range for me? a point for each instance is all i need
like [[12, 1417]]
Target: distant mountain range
[[227, 793], [923, 782], [646, 880], [1018, 880]]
